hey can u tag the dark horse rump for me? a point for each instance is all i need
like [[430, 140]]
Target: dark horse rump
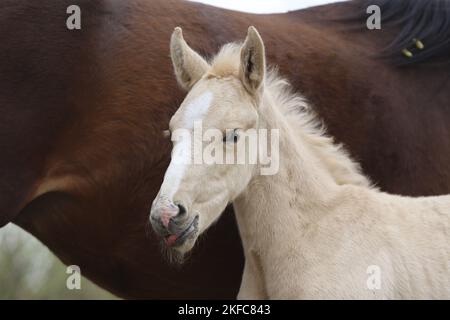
[[82, 112]]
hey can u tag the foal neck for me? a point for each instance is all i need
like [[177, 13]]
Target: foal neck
[[302, 173], [272, 207]]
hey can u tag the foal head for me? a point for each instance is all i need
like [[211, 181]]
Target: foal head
[[222, 96]]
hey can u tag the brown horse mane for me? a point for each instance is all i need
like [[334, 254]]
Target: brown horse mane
[[426, 20]]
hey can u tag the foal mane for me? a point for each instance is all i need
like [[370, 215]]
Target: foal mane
[[299, 115]]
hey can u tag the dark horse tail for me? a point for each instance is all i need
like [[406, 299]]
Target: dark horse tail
[[424, 29]]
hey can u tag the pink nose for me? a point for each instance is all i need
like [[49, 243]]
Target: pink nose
[[167, 214], [166, 217]]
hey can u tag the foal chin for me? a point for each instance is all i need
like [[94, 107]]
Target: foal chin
[[177, 255], [173, 255]]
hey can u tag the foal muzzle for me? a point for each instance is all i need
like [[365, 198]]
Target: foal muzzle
[[171, 222]]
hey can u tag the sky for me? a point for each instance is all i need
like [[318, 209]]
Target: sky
[[265, 6]]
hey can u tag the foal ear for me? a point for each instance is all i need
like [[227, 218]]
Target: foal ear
[[189, 66], [253, 61]]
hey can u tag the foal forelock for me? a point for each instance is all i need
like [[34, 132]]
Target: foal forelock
[[226, 62]]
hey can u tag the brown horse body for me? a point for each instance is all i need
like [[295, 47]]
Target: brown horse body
[[82, 115]]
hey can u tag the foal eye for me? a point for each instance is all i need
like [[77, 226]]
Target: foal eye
[[231, 137]]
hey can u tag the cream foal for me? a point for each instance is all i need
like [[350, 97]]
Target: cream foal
[[314, 230]]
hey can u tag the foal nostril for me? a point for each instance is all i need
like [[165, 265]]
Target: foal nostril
[[181, 210], [168, 217]]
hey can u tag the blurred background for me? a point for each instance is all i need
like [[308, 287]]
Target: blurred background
[[28, 270], [265, 6]]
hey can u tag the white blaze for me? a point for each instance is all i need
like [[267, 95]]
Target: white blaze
[[182, 150], [197, 109]]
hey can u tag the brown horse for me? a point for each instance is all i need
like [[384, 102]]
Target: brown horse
[[82, 115]]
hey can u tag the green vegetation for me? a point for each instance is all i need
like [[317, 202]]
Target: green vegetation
[[28, 270]]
